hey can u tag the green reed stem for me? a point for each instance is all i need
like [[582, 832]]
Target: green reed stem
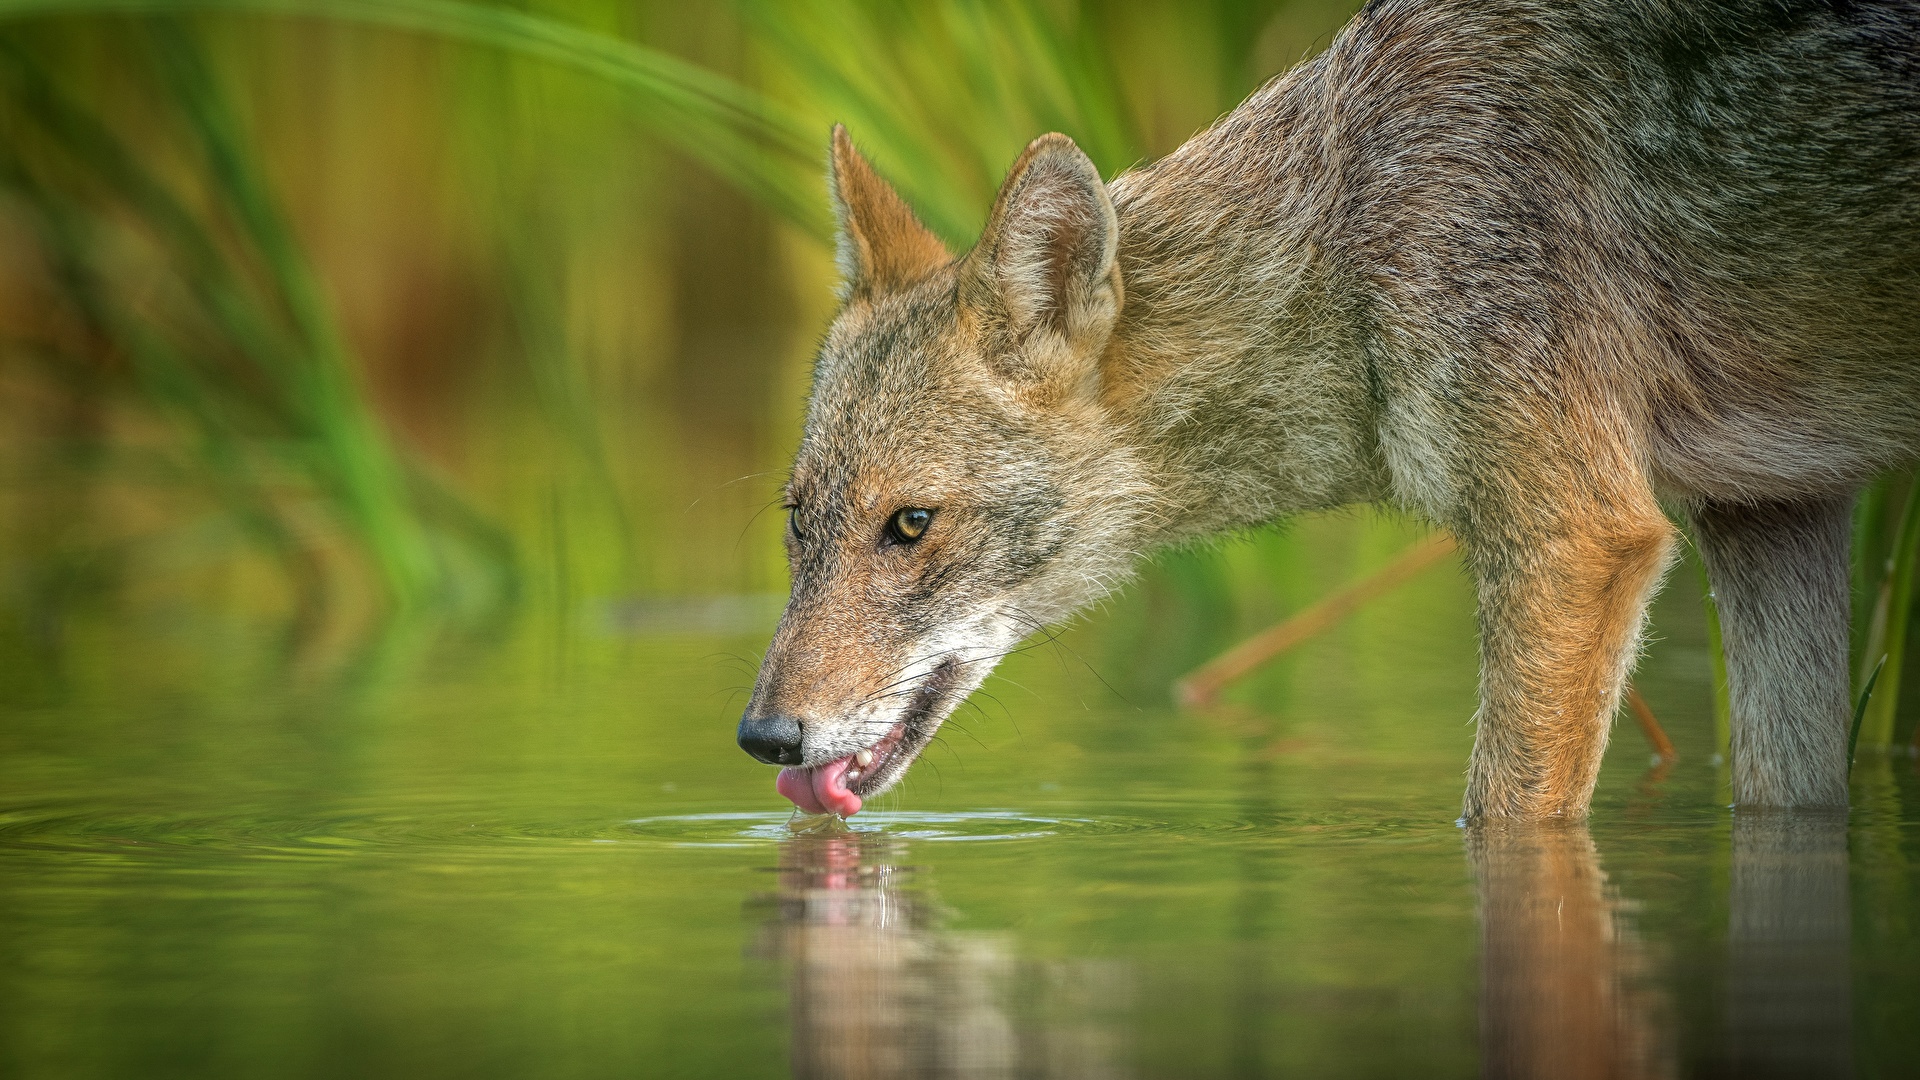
[[1860, 708], [1877, 727], [1716, 651]]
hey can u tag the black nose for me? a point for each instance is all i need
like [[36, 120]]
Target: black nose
[[773, 739]]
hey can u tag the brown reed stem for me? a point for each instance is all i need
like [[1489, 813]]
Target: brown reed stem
[[1202, 685], [1650, 726]]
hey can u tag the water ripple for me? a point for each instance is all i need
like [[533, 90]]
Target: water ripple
[[121, 832], [740, 830], [273, 833]]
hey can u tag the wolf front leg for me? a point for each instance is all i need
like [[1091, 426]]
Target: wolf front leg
[[1563, 595], [1779, 573]]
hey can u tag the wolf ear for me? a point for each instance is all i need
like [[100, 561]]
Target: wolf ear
[[879, 243], [1048, 259]]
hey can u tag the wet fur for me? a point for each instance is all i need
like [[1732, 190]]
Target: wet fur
[[1532, 270]]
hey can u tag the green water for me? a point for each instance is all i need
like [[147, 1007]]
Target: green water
[[541, 855]]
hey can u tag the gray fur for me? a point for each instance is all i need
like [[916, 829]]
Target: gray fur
[[1780, 580]]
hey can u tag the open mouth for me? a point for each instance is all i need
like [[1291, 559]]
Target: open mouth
[[839, 786]]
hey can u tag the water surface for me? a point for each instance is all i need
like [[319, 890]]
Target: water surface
[[542, 856]]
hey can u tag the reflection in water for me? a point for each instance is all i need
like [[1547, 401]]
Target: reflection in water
[[879, 990], [1563, 988], [1566, 989], [1789, 999]]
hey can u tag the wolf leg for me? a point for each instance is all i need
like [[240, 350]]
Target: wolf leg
[[1779, 574], [1561, 608]]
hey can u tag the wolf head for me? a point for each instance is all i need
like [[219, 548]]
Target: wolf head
[[960, 483]]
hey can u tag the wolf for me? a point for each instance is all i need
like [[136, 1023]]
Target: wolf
[[1550, 274]]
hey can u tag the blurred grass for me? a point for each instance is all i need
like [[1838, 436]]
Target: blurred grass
[[729, 128], [246, 356], [945, 94]]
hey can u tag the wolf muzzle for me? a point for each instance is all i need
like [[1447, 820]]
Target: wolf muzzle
[[772, 739]]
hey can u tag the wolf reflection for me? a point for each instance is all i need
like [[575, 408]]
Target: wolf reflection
[[1565, 982], [878, 989], [1569, 988]]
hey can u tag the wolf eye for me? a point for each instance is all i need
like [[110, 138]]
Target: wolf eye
[[908, 525]]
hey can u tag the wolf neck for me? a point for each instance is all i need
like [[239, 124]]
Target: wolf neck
[[1237, 369]]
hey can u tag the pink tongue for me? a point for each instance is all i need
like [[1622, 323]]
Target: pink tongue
[[821, 790]]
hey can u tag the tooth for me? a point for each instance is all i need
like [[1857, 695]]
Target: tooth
[[852, 775], [864, 758]]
